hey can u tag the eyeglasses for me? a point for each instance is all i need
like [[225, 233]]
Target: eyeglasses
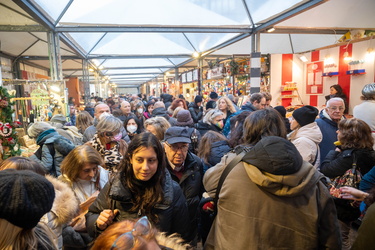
[[336, 108], [110, 134], [126, 240], [175, 147]]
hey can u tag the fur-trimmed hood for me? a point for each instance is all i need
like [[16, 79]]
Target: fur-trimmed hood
[[65, 206]]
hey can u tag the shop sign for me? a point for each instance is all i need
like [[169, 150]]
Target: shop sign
[[189, 76], [314, 80], [195, 75], [183, 78], [216, 72]]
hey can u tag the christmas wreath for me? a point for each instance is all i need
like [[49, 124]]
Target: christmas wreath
[[9, 145]]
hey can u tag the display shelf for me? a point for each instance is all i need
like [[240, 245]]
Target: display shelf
[[330, 74], [289, 96], [289, 91], [356, 72]]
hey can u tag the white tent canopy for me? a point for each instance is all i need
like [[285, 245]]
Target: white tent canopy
[[141, 39]]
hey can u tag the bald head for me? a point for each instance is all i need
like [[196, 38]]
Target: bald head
[[100, 109], [159, 104]]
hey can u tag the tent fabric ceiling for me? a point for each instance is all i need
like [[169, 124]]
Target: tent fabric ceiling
[[112, 35]]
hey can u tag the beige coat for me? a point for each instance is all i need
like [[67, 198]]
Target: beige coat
[[259, 210]]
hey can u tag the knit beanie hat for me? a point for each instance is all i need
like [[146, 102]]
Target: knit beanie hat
[[198, 99], [24, 197], [184, 118], [281, 110], [305, 115], [213, 95], [59, 118], [210, 105]]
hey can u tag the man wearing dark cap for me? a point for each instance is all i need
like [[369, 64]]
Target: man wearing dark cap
[[211, 104], [187, 170], [196, 109]]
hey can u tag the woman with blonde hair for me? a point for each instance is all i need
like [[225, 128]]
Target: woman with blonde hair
[[175, 112], [139, 234], [84, 120], [225, 105], [82, 172], [107, 141], [157, 126]]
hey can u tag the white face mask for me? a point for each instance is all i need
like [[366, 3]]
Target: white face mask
[[131, 128], [105, 114], [140, 110]]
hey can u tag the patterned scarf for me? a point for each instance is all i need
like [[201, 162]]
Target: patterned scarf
[[112, 157]]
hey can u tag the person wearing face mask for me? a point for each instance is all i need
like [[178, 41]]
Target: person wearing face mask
[[213, 120], [133, 126], [107, 141], [139, 110], [83, 173]]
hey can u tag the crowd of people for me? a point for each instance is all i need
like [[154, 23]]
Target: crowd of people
[[138, 172]]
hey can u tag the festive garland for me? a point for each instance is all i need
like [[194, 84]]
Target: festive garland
[[9, 145]]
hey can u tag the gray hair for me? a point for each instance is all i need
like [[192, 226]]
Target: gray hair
[[159, 104], [334, 99], [160, 124], [123, 103], [211, 115], [368, 92], [37, 128], [109, 124]]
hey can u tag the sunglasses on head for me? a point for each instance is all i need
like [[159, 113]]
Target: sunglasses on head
[[126, 240]]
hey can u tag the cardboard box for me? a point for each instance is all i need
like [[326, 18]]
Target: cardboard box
[[20, 132]]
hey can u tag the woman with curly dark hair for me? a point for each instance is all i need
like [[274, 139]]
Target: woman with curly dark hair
[[141, 188], [356, 142]]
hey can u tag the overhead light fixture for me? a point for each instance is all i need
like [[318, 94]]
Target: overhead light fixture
[[196, 54], [91, 69], [370, 54], [347, 58], [271, 30], [303, 58], [328, 60]]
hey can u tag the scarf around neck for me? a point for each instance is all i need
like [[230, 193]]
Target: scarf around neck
[[112, 157], [44, 134]]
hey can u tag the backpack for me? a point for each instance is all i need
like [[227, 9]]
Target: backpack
[[51, 149], [194, 141]]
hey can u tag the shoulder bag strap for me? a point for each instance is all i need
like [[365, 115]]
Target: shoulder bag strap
[[51, 150], [226, 171]]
